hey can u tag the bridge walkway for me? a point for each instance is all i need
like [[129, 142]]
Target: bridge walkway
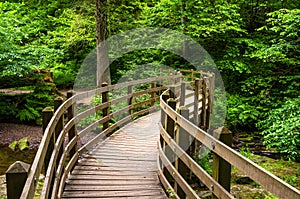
[[124, 165]]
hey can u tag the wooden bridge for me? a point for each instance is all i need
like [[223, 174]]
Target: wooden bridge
[[116, 156]]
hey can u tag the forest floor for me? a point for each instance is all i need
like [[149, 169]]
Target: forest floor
[[12, 132]]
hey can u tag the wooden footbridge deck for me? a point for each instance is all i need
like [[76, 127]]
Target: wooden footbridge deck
[[124, 165], [101, 151]]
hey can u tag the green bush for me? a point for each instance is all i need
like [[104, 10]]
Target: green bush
[[281, 129]]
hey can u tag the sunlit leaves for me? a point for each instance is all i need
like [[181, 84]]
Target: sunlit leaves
[[281, 128]]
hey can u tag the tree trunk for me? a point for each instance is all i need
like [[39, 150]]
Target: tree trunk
[[103, 74], [185, 47]]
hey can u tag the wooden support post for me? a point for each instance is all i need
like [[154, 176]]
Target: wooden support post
[[172, 92], [47, 114], [182, 93], [170, 125], [178, 79], [211, 90], [196, 144], [73, 131], [221, 168], [170, 80], [196, 102], [165, 97], [60, 124], [170, 128], [16, 176], [204, 109], [153, 93], [105, 110], [183, 140], [161, 82], [129, 91]]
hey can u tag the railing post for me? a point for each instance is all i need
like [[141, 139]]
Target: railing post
[[60, 124], [165, 97], [47, 114], [16, 176], [73, 131], [105, 110], [129, 91], [170, 125], [172, 92], [182, 93], [196, 102], [211, 90], [178, 79], [170, 74], [153, 93], [183, 140], [221, 168], [170, 128], [204, 110]]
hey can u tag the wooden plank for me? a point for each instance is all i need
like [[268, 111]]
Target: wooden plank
[[118, 168], [111, 188], [112, 172], [110, 182], [110, 177], [130, 193]]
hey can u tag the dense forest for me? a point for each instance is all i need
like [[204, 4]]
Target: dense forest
[[254, 43]]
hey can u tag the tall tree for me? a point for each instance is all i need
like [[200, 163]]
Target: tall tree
[[102, 32]]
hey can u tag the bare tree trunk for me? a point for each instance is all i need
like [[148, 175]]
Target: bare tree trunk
[[103, 74], [185, 47]]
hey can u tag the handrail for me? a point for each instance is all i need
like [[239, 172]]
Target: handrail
[[271, 182], [56, 173]]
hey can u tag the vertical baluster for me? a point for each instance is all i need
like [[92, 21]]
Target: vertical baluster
[[105, 110], [183, 140], [221, 168], [47, 114], [196, 102], [153, 93], [129, 91], [204, 107], [59, 126], [170, 128], [182, 93], [73, 131]]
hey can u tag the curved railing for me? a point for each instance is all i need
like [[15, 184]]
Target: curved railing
[[59, 157], [176, 149], [185, 118]]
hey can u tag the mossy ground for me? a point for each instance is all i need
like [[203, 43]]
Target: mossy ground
[[288, 171]]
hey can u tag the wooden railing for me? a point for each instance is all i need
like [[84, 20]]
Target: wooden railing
[[185, 119], [180, 134], [58, 157]]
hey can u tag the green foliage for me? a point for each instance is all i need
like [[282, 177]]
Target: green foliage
[[241, 113], [281, 128], [282, 28], [48, 37], [204, 162]]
